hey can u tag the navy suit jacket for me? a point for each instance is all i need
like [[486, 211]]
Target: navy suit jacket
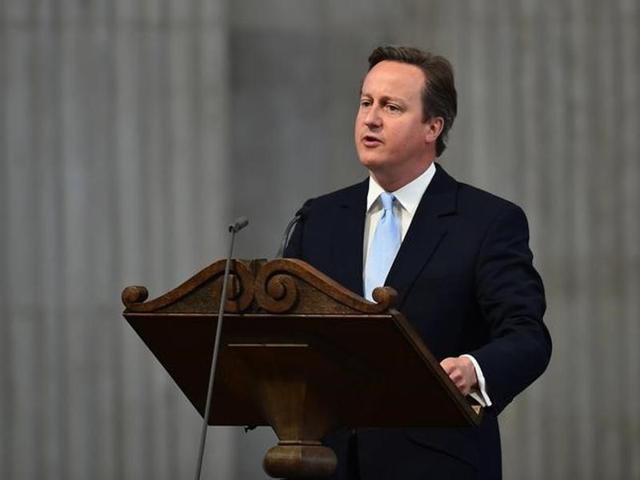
[[466, 283]]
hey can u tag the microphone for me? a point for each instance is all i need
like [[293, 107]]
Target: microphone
[[300, 216], [239, 224], [234, 228]]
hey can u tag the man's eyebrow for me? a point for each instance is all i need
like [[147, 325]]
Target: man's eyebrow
[[385, 98]]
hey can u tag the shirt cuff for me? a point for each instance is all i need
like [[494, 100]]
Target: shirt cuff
[[480, 393]]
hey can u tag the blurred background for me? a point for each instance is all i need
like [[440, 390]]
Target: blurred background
[[133, 131]]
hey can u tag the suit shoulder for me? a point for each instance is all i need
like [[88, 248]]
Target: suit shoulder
[[474, 199], [338, 197]]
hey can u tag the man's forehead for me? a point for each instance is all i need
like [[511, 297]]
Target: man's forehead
[[390, 77]]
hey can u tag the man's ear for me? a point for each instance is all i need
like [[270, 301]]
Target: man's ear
[[433, 129]]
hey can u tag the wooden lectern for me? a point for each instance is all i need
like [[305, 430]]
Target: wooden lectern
[[298, 352]]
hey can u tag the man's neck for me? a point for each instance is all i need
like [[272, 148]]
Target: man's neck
[[394, 180]]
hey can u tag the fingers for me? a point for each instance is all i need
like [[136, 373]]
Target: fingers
[[447, 365], [461, 372]]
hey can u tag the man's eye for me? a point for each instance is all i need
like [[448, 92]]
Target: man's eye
[[365, 103], [392, 108]]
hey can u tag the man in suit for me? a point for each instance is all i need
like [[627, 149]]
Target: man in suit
[[458, 257]]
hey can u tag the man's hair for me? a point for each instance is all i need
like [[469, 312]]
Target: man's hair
[[439, 97]]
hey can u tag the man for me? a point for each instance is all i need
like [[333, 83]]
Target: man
[[458, 257]]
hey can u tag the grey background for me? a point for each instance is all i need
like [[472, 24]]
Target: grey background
[[132, 131]]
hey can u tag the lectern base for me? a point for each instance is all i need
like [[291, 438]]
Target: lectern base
[[300, 460]]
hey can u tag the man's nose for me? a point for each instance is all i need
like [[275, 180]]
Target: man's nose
[[372, 118]]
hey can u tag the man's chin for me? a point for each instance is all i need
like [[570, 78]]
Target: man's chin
[[372, 162]]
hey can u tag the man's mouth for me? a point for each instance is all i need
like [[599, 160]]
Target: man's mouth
[[371, 141]]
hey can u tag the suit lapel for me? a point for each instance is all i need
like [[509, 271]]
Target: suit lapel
[[427, 230], [348, 240]]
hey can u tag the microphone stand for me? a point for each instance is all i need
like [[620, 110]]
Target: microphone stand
[[234, 228]]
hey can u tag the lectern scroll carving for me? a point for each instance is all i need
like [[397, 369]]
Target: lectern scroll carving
[[300, 353]]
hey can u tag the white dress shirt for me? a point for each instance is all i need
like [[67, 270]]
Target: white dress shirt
[[407, 200]]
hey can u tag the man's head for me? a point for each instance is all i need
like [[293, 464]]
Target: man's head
[[407, 106]]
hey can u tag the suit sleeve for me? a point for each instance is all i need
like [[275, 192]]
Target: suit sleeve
[[511, 299]]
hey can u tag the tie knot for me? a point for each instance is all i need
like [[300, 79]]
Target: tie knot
[[387, 200]]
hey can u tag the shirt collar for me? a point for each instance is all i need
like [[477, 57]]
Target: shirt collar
[[408, 196]]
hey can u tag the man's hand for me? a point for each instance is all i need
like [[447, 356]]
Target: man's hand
[[461, 372]]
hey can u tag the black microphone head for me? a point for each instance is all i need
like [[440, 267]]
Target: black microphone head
[[304, 210], [301, 214], [239, 224]]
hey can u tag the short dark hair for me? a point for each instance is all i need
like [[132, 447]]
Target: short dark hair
[[439, 97]]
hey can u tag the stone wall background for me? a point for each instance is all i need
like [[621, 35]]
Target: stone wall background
[[131, 132]]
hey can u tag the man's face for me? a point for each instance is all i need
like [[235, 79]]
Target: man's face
[[391, 137]]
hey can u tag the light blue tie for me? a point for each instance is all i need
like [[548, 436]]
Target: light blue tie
[[384, 247]]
